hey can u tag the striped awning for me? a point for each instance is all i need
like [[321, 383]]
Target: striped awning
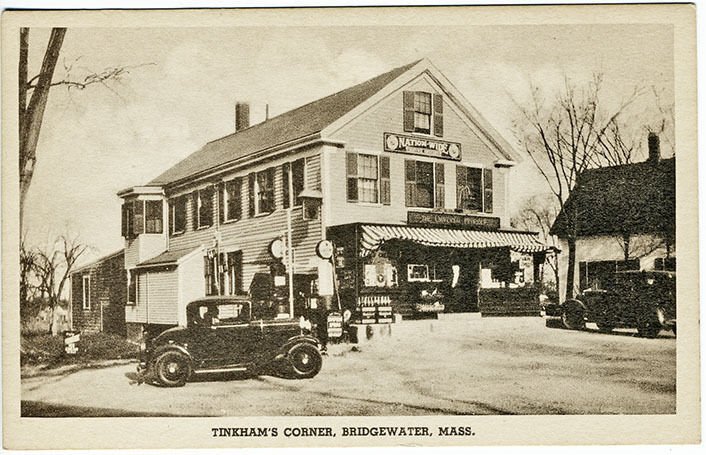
[[373, 236]]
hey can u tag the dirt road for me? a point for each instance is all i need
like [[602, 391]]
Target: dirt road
[[458, 366]]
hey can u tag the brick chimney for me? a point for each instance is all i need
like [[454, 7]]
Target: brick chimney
[[653, 147], [242, 116]]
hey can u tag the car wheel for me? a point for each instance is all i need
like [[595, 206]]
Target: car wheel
[[572, 318], [304, 361], [172, 369], [651, 326]]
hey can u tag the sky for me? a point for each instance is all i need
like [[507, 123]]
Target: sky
[[183, 84]]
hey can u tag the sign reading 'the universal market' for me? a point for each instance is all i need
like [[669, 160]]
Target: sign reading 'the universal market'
[[481, 223], [422, 146]]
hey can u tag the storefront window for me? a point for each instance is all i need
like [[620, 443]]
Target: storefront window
[[417, 272]]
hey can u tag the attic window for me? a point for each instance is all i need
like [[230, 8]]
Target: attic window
[[423, 113]]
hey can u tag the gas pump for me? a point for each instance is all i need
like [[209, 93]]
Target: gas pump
[[278, 274]]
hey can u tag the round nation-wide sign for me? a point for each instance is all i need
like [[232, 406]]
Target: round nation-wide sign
[[324, 249], [277, 248]]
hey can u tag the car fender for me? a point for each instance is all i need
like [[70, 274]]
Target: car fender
[[159, 350], [295, 340], [573, 305]]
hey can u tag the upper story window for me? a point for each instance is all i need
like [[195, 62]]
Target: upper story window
[[203, 207], [128, 220], [261, 194], [294, 172], [153, 217], [474, 189], [423, 113], [177, 215], [368, 178], [142, 217], [230, 207], [424, 184]]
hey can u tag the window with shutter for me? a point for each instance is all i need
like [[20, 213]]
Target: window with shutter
[[352, 177], [421, 184], [469, 188], [297, 180], [410, 182], [439, 187], [422, 112], [385, 180], [286, 197], [251, 195], [265, 191], [438, 116], [205, 207], [408, 109], [221, 202], [153, 217], [488, 190], [139, 220], [232, 199], [177, 217], [364, 180], [123, 220], [194, 210]]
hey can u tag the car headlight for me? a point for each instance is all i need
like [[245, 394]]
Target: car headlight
[[347, 315]]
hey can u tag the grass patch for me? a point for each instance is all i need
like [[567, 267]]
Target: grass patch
[[49, 350]]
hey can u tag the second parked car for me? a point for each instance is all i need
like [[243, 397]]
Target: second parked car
[[645, 300]]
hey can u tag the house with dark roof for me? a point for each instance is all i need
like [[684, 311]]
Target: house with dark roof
[[386, 170], [625, 219], [98, 295]]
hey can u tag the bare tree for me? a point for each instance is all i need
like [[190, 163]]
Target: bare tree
[[53, 267], [28, 259], [572, 133], [36, 89], [537, 214]]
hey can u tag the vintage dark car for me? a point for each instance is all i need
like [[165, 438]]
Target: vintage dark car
[[223, 334], [645, 300]]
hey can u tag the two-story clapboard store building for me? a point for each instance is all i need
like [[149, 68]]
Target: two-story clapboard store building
[[400, 172]]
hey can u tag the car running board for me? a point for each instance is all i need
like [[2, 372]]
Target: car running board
[[220, 370]]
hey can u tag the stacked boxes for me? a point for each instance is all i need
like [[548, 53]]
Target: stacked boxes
[[374, 309]]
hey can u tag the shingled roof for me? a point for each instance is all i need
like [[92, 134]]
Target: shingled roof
[[636, 198], [298, 123]]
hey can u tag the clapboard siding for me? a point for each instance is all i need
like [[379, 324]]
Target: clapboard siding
[[252, 235], [365, 135], [162, 297]]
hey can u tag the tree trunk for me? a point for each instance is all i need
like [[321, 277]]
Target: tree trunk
[[570, 269], [31, 117]]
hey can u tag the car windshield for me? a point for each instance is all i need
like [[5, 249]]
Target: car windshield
[[221, 314]]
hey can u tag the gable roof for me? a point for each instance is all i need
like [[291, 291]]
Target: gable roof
[[298, 123], [636, 198], [98, 261]]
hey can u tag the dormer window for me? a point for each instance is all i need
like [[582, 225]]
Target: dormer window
[[423, 113]]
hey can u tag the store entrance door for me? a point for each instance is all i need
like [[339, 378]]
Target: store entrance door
[[465, 268]]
